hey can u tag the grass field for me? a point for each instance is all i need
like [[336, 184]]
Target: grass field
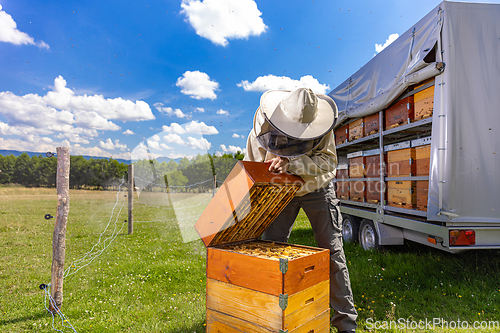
[[152, 281]]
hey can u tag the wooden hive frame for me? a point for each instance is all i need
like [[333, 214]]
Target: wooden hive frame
[[246, 204]]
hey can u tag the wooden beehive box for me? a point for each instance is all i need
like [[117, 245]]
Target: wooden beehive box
[[356, 129], [342, 190], [371, 124], [357, 191], [400, 159], [422, 188], [372, 163], [356, 164], [399, 113], [422, 149], [402, 194], [342, 186], [254, 285], [342, 171], [342, 134], [424, 101], [372, 192]]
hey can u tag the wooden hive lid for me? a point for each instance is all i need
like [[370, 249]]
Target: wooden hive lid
[[248, 201]]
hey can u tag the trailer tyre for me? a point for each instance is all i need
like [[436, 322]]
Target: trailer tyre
[[350, 227], [368, 238]]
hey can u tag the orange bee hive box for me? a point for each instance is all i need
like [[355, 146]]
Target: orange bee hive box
[[255, 285], [424, 101], [356, 129]]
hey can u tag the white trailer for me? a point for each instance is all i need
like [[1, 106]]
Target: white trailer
[[457, 44]]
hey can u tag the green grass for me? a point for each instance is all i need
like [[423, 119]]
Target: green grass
[[151, 281], [418, 283]]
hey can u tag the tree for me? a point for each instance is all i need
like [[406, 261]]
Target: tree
[[239, 155], [80, 172], [7, 165], [23, 170]]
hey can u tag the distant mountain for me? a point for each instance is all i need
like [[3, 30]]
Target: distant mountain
[[31, 154]]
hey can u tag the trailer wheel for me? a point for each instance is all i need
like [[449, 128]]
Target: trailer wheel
[[350, 227], [368, 238]]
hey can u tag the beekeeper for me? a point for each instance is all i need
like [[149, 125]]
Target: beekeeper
[[293, 130]]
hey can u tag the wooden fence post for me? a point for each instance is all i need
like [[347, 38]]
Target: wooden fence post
[[59, 238], [215, 185], [130, 198]]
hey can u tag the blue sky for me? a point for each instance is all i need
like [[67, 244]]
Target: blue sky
[[182, 77]]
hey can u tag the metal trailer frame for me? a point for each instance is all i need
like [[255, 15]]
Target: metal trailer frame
[[392, 224]]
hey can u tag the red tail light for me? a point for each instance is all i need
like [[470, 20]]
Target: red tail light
[[462, 237]]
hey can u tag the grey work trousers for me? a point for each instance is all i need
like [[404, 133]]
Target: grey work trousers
[[321, 207]]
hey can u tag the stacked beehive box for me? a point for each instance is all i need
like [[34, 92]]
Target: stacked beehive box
[[424, 101], [399, 113], [373, 169], [342, 189], [357, 188], [254, 285], [422, 149], [356, 129], [342, 134], [400, 163], [371, 124]]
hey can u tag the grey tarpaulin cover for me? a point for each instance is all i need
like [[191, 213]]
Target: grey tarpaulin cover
[[464, 180]]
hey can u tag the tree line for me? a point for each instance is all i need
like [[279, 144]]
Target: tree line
[[196, 174], [199, 174]]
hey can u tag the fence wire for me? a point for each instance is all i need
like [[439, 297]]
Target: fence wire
[[86, 260], [95, 252]]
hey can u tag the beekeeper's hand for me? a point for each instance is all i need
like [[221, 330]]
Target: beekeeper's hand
[[279, 164]]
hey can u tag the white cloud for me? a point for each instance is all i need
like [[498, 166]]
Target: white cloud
[[128, 132], [92, 151], [223, 112], [96, 151], [153, 144], [109, 145], [72, 137], [174, 138], [231, 149], [141, 151], [35, 145], [109, 108], [238, 136], [191, 127], [43, 145], [390, 39], [46, 140], [180, 155], [169, 111], [197, 85], [165, 146], [200, 143], [94, 120], [220, 20], [200, 128], [79, 117], [272, 82], [174, 128], [22, 131], [10, 34], [199, 110]]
